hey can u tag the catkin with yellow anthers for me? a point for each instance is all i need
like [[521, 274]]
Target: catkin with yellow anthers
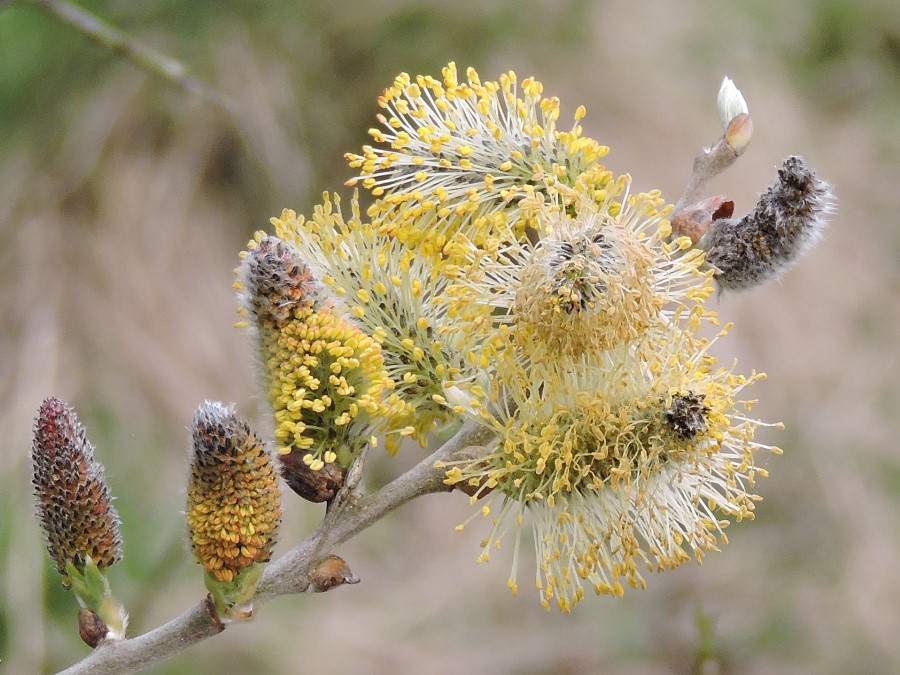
[[234, 504], [454, 154], [324, 375]]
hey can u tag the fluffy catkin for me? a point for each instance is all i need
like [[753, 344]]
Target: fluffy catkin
[[764, 244]]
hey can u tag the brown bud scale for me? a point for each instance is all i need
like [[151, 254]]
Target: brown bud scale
[[91, 628], [314, 486]]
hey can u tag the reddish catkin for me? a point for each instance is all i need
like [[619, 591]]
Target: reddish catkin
[[73, 503]]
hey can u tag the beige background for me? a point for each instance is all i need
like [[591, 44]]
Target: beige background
[[124, 202]]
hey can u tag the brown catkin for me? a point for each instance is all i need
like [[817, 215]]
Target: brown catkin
[[73, 503]]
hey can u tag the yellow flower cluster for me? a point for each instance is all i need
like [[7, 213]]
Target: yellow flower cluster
[[602, 279], [503, 273], [620, 471], [459, 157], [577, 312]]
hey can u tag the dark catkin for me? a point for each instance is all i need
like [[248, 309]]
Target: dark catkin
[[787, 222], [73, 503]]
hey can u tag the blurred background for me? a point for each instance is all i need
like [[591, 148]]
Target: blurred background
[[124, 201]]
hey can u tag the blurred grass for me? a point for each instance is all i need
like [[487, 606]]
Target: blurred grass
[[124, 202]]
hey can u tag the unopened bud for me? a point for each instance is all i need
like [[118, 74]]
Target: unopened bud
[[735, 117], [730, 102], [276, 282], [313, 485], [331, 572], [74, 505], [738, 133], [91, 627]]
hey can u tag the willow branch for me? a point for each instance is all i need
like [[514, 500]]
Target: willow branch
[[708, 164], [123, 44], [288, 574], [712, 161]]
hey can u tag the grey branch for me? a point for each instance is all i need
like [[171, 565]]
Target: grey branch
[[121, 43], [707, 165], [714, 160], [288, 574]]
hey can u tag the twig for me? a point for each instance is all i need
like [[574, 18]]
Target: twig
[[121, 43], [288, 574], [714, 160], [708, 164]]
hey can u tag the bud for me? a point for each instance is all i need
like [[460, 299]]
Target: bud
[[91, 627], [74, 507], [730, 102], [735, 116], [277, 282], [738, 133], [233, 507], [316, 486], [786, 223], [331, 572]]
